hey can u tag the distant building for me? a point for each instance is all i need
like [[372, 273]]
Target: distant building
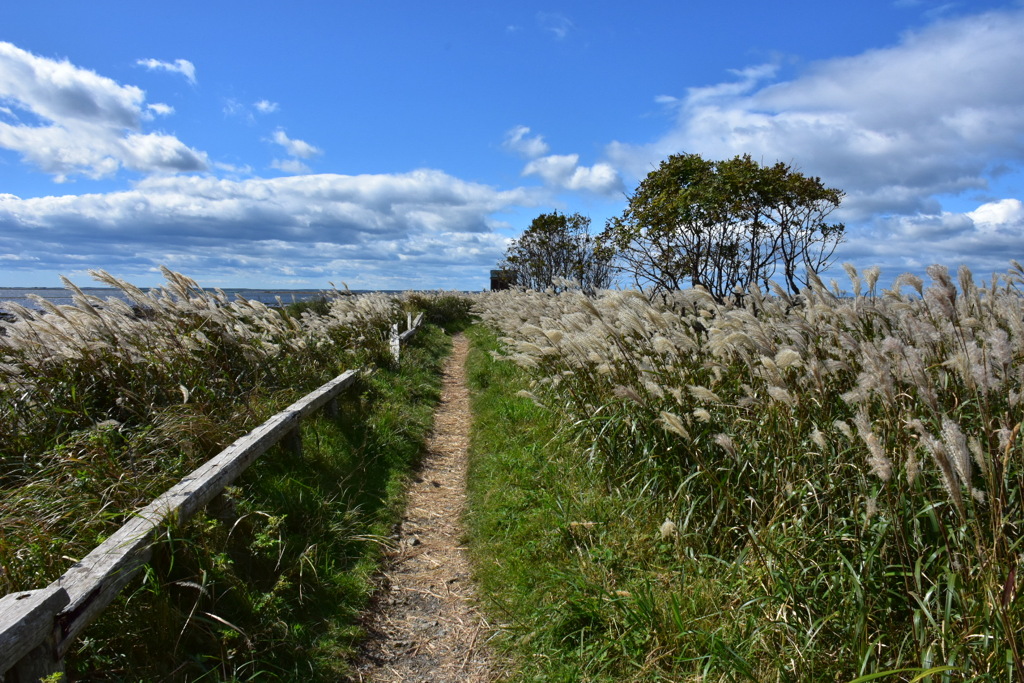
[[502, 279]]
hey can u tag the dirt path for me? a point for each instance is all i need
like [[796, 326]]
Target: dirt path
[[425, 627]]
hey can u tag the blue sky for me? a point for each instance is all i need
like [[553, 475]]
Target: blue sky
[[400, 145]]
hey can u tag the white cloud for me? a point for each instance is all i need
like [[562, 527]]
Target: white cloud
[[557, 24], [86, 124], [984, 239], [60, 91], [563, 171], [357, 228], [560, 171], [296, 148], [266, 107], [160, 109], [180, 66], [519, 141], [158, 152], [233, 107], [894, 127], [1003, 213], [293, 166]]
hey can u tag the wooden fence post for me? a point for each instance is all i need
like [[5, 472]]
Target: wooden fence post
[[293, 442], [331, 408]]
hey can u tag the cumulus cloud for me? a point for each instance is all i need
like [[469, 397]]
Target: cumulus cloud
[[357, 228], [61, 91], [82, 123], [1005, 213], [895, 127], [563, 171], [985, 239], [266, 107], [519, 141], [180, 66], [296, 148]]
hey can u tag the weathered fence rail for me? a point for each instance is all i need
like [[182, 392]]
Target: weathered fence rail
[[38, 626]]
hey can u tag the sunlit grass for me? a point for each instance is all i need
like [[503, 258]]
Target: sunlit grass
[[816, 489], [105, 404], [270, 581]]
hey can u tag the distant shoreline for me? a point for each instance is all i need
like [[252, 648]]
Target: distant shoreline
[[61, 296], [208, 289]]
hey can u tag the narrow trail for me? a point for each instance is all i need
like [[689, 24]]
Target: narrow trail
[[425, 626]]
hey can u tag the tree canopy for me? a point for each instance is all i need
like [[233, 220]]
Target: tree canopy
[[558, 246], [723, 225]]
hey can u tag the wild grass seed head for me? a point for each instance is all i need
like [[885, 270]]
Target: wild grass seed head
[[727, 444], [956, 447], [878, 461], [672, 423], [703, 394]]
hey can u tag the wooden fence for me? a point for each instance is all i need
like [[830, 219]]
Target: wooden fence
[[37, 627]]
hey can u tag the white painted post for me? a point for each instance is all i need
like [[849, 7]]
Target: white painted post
[[396, 344]]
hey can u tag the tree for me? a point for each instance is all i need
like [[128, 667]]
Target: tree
[[723, 225], [558, 246]]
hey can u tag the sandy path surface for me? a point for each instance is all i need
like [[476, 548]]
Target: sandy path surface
[[425, 626]]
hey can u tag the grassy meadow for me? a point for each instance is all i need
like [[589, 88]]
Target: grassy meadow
[[105, 404], [816, 488]]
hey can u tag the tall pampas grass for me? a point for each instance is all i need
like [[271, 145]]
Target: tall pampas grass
[[105, 402], [908, 398]]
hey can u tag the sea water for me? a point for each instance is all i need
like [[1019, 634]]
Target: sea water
[[59, 295]]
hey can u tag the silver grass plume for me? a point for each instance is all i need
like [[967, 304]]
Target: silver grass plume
[[727, 444], [672, 423], [703, 394], [980, 455], [781, 395], [871, 278], [956, 446], [851, 273], [937, 449], [908, 280], [881, 465], [913, 466]]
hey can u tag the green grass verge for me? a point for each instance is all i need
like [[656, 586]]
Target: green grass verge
[[555, 552], [268, 582], [581, 575]]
